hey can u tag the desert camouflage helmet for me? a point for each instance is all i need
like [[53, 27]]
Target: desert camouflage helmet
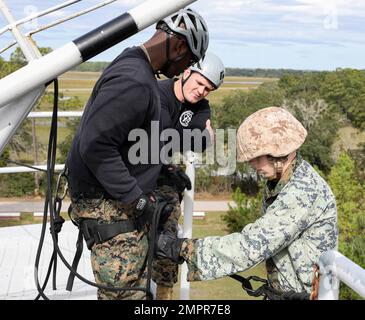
[[271, 131]]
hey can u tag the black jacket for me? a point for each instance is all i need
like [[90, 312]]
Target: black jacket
[[125, 97], [180, 116]]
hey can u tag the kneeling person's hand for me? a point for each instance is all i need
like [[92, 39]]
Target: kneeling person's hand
[[168, 245]]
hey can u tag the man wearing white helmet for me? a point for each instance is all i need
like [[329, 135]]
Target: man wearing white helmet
[[183, 101], [299, 215], [112, 198], [184, 107]]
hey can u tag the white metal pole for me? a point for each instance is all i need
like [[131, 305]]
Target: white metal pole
[[29, 52], [60, 114], [38, 14], [38, 72], [50, 66], [75, 15], [58, 167], [151, 11], [13, 114], [335, 267], [188, 220]]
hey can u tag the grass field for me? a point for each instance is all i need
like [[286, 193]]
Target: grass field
[[225, 288], [74, 83]]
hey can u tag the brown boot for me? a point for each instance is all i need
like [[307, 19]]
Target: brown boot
[[164, 293]]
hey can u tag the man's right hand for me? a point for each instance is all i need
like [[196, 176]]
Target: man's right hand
[[144, 210]]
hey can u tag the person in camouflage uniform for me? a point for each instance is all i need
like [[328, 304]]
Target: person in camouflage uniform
[[299, 215]]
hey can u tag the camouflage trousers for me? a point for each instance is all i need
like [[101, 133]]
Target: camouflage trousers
[[122, 260], [165, 271]]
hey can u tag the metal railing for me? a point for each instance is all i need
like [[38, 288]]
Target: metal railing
[[42, 114], [335, 268]]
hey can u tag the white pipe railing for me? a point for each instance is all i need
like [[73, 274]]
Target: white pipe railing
[[60, 114], [40, 114], [58, 167], [334, 268], [190, 159]]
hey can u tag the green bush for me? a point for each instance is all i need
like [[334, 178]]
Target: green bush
[[317, 149], [345, 90], [350, 194], [246, 211], [354, 249], [65, 145], [17, 184], [206, 181]]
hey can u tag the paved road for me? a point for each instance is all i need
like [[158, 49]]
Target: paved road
[[37, 206]]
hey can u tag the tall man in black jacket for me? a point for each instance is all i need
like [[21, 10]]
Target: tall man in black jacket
[[111, 197]]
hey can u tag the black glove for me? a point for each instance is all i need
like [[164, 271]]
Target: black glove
[[169, 246], [144, 210], [176, 177], [165, 215]]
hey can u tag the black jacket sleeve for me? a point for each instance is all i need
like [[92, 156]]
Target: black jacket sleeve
[[119, 106]]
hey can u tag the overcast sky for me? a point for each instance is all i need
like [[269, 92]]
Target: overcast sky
[[298, 34]]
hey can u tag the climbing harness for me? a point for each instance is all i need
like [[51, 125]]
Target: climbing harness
[[269, 293], [54, 204]]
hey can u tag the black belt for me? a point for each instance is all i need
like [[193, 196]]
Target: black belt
[[94, 232], [90, 195]]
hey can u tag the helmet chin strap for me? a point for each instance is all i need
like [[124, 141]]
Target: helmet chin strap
[[183, 81], [169, 61], [279, 166]]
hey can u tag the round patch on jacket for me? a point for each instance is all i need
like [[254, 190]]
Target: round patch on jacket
[[186, 117]]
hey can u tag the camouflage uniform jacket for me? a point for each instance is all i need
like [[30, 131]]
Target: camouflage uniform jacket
[[294, 230]]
